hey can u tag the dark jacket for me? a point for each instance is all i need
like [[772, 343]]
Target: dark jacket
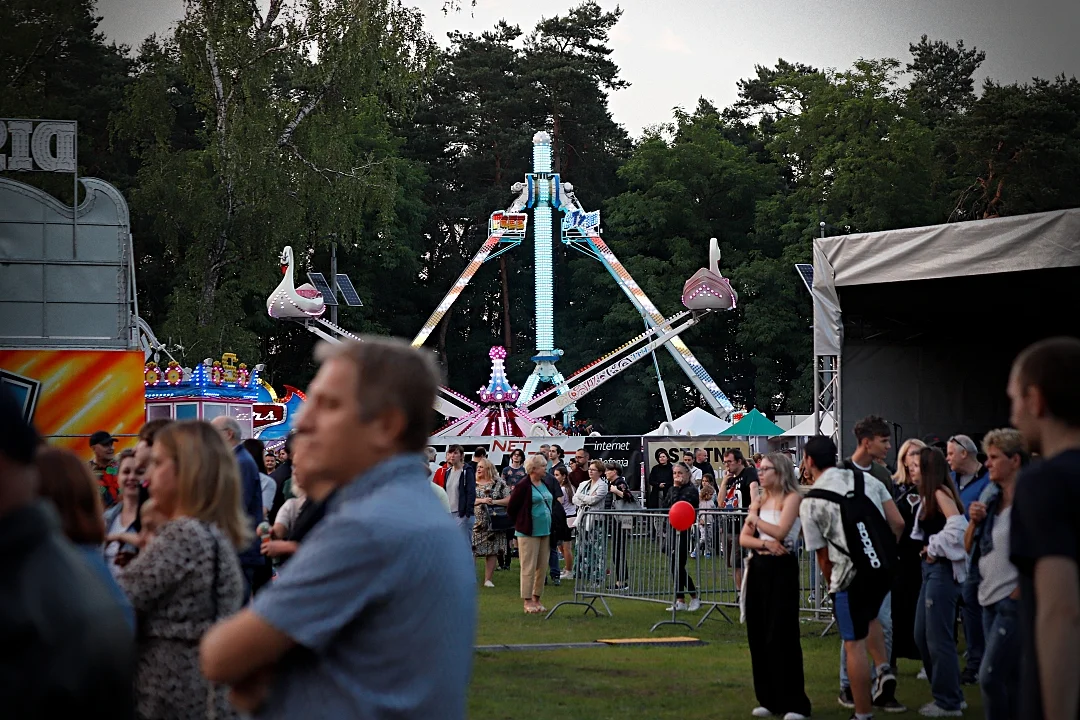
[[467, 492], [613, 503], [67, 649], [520, 506], [687, 492], [281, 473], [982, 541], [251, 500], [660, 474]]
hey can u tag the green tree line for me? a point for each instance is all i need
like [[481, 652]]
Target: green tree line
[[316, 122]]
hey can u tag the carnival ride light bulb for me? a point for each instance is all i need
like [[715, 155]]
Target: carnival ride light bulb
[[541, 152]]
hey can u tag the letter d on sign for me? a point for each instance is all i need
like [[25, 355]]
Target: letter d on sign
[[41, 146]]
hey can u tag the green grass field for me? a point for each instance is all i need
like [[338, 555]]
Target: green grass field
[[712, 681]]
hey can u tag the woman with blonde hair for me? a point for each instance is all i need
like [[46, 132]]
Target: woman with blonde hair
[[530, 507], [189, 576], [907, 581], [771, 591], [487, 542]]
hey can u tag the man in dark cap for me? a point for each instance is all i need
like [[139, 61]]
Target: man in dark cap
[[68, 650], [105, 467]]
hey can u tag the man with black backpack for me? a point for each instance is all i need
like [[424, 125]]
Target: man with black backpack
[[851, 522]]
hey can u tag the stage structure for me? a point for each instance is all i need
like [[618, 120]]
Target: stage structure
[[544, 193], [921, 325]]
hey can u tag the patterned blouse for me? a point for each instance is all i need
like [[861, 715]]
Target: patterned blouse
[[171, 584]]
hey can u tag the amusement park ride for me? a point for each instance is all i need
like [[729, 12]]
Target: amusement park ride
[[507, 410]]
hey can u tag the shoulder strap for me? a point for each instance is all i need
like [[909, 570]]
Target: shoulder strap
[[217, 570], [860, 482], [826, 495]]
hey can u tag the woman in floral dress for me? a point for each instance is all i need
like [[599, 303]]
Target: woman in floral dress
[[188, 576], [487, 543]]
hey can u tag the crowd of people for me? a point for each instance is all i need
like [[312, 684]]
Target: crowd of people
[[197, 575], [910, 555], [139, 585]]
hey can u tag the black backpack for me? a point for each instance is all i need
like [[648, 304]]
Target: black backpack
[[870, 540]]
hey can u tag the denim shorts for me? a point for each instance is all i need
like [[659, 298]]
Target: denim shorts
[[856, 607]]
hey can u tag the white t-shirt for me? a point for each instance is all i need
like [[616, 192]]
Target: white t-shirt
[[695, 476], [290, 509], [822, 524], [269, 488], [999, 576]]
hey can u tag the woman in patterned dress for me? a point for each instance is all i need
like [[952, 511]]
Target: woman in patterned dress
[[188, 576], [487, 543]]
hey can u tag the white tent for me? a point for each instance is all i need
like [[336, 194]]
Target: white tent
[[887, 306], [806, 427], [695, 422]]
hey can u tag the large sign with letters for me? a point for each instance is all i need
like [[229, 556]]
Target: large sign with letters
[[43, 145]]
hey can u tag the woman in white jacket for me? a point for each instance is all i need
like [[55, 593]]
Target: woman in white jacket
[[940, 524], [591, 536]]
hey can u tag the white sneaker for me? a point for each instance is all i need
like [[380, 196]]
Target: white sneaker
[[761, 712], [566, 574], [488, 583], [921, 675], [935, 710], [695, 605], [679, 605], [796, 716]]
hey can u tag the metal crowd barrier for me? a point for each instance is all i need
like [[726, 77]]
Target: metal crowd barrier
[[634, 556]]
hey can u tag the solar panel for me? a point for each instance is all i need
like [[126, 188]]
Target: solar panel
[[806, 271], [319, 281], [348, 292]]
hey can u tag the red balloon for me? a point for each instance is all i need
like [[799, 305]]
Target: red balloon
[[681, 515]]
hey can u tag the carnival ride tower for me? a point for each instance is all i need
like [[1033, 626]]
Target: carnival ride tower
[[542, 189]]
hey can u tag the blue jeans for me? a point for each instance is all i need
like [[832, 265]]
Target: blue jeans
[[884, 617], [971, 615], [935, 634], [466, 524], [999, 674]]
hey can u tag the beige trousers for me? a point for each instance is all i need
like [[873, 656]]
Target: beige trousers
[[533, 555]]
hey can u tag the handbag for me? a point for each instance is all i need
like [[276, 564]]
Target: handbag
[[211, 690], [500, 519]]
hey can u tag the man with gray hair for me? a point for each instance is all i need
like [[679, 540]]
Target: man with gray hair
[[374, 616], [971, 478], [251, 559]]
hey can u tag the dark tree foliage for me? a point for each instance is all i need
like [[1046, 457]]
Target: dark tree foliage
[[253, 126]]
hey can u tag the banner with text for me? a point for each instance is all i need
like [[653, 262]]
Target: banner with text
[[625, 451], [675, 446]]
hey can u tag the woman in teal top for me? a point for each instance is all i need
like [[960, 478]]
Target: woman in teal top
[[530, 506]]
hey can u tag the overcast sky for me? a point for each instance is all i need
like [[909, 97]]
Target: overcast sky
[[675, 51]]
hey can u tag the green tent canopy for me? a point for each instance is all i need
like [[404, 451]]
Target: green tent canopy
[[754, 423]]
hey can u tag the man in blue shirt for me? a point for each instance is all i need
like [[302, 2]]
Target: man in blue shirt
[[250, 499], [375, 614]]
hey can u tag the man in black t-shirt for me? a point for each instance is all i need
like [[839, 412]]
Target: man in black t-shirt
[[744, 477], [1044, 391]]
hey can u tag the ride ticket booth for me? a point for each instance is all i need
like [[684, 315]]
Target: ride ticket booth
[[214, 388]]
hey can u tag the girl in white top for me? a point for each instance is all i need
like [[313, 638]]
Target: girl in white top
[[771, 592]]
